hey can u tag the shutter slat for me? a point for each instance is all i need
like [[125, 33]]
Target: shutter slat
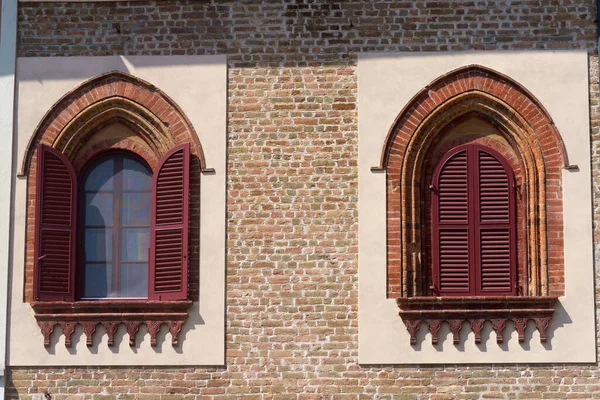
[[452, 186], [169, 252], [55, 226], [454, 260], [494, 199]]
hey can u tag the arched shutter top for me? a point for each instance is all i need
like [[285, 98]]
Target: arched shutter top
[[55, 222], [168, 278]]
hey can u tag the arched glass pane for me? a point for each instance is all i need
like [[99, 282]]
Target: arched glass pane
[[117, 193]]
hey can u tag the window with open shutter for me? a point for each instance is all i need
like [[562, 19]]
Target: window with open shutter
[[473, 224], [55, 226], [112, 228]]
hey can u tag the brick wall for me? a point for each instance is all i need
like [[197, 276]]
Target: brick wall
[[292, 184]]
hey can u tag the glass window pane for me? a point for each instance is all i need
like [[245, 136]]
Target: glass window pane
[[98, 278], [134, 280], [101, 176], [134, 244], [98, 209], [136, 209], [98, 244], [135, 175], [118, 188]]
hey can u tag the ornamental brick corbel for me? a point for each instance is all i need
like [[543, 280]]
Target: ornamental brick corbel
[[47, 328], [111, 314], [476, 310]]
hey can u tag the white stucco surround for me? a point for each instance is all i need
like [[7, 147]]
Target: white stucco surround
[[8, 51], [559, 79], [198, 84]]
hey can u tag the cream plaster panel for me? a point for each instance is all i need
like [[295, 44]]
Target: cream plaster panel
[[198, 84], [559, 79]]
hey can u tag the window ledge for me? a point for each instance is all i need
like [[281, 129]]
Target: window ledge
[[110, 313], [476, 310]]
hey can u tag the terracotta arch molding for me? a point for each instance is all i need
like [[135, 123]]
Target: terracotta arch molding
[[471, 78], [519, 116], [108, 97]]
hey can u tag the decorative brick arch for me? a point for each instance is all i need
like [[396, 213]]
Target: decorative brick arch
[[526, 126], [115, 97]]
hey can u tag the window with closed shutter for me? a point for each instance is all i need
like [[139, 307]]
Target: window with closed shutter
[[473, 224]]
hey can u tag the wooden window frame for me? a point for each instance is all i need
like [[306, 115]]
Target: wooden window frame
[[118, 157]]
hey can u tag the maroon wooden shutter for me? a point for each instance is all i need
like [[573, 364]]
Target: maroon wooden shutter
[[168, 275], [55, 226], [451, 226], [495, 224], [473, 224]]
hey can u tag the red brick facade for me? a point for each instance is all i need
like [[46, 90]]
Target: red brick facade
[[292, 247]]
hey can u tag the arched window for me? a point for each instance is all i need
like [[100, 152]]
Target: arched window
[[473, 227], [125, 226], [115, 193]]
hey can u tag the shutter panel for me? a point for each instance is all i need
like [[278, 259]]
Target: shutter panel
[[450, 220], [473, 224], [55, 226], [496, 225], [168, 273]]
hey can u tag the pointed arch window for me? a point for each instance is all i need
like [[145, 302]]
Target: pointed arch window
[[118, 228], [112, 246]]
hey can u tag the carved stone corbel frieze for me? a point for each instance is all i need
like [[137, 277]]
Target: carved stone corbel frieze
[[455, 327], [89, 327], [111, 328], [412, 325], [520, 325], [476, 327], [67, 327], [476, 310], [175, 328], [111, 314], [153, 328], [499, 324], [434, 327], [132, 328], [542, 324], [47, 328]]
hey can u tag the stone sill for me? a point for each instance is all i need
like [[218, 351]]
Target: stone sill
[[476, 310], [111, 314]]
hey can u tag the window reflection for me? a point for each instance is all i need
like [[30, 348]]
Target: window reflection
[[117, 190]]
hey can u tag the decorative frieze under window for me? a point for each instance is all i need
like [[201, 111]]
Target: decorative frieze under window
[[476, 310], [110, 314]]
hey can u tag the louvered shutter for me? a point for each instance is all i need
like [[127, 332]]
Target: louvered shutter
[[495, 224], [55, 226], [451, 226], [473, 224], [168, 275]]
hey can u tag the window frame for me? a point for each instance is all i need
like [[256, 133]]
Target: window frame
[[168, 307], [80, 269]]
